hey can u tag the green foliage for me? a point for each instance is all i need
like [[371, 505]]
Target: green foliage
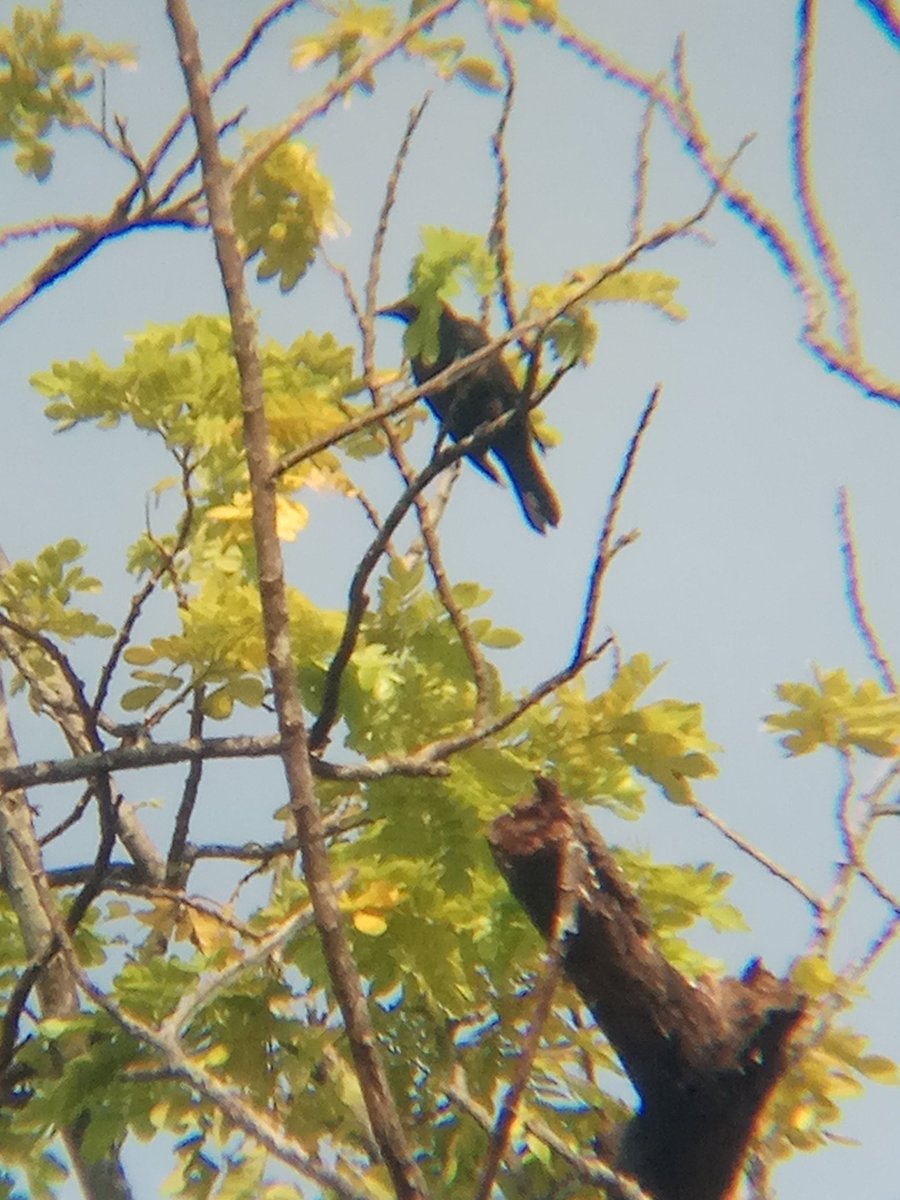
[[44, 74], [831, 1064], [355, 30], [38, 594], [600, 745], [519, 13], [434, 278], [180, 383], [479, 73], [281, 212], [37, 599], [677, 897], [221, 646], [573, 335], [832, 712], [449, 958]]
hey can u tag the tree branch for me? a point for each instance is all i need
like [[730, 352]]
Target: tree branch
[[383, 1115], [703, 1056]]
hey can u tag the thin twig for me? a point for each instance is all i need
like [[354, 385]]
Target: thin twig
[[824, 249], [498, 238], [33, 229], [642, 163], [885, 14], [748, 848], [572, 872], [344, 83], [390, 194], [853, 591], [175, 858], [107, 806], [605, 548], [682, 117], [166, 565], [67, 822]]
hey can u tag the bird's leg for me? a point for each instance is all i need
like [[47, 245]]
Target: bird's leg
[[442, 433]]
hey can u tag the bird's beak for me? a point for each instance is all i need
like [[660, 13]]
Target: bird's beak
[[403, 310]]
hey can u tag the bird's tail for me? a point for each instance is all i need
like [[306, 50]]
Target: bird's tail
[[536, 497]]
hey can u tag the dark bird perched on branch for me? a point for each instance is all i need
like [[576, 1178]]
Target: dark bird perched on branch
[[483, 395]]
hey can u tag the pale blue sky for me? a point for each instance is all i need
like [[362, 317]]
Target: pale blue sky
[[736, 580]]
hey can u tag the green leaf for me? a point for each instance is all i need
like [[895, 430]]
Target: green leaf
[[501, 639], [140, 698], [38, 594], [355, 30], [282, 210], [470, 595], [446, 256], [479, 73], [44, 74], [519, 13], [835, 713]]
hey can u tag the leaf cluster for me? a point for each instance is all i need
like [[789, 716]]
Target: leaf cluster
[[356, 29], [447, 956], [44, 75], [832, 712], [281, 211]]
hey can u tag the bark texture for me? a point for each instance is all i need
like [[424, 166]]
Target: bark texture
[[703, 1057]]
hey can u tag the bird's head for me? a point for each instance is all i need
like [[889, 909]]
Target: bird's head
[[403, 310]]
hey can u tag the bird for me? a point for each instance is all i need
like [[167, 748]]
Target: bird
[[482, 395]]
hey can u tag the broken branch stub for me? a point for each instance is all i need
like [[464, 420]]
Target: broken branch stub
[[703, 1056]]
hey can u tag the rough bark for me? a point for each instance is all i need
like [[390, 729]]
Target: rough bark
[[26, 885], [703, 1057], [387, 1126]]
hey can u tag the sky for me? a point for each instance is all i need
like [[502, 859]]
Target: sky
[[736, 580]]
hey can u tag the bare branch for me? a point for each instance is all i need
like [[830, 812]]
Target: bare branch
[[158, 754], [175, 858], [573, 868], [885, 14], [34, 229], [381, 229], [72, 819], [825, 251], [683, 118], [747, 847], [165, 566], [853, 588], [605, 548], [344, 83], [642, 163], [387, 1128], [498, 238]]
